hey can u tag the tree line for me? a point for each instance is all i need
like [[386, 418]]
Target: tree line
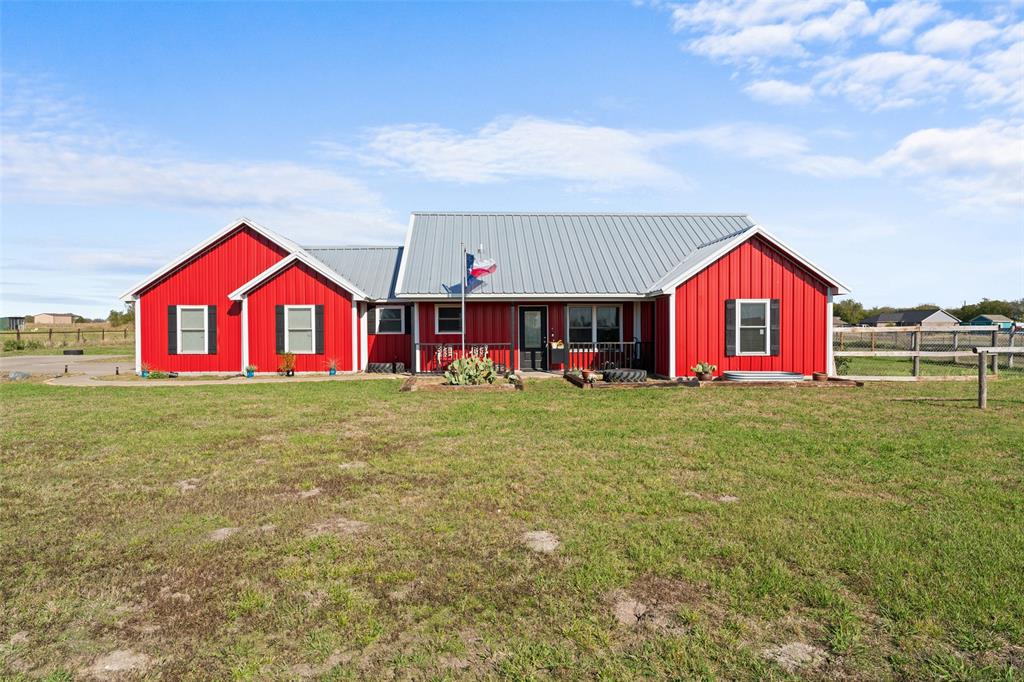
[[853, 312]]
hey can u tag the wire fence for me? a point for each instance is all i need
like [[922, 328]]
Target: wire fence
[[923, 351], [79, 337]]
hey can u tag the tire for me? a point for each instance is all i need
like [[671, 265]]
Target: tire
[[378, 368], [398, 367], [625, 376]]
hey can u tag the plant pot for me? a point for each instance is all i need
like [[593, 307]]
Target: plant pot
[[587, 374], [289, 372], [820, 376], [145, 374], [705, 376], [332, 371], [249, 374]]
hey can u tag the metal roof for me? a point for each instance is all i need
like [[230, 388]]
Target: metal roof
[[554, 254], [371, 268]]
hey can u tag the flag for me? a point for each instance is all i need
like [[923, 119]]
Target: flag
[[477, 268]]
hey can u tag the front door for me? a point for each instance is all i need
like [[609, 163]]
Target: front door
[[533, 346]]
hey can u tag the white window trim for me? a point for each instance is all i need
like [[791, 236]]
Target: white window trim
[[206, 329], [437, 320], [767, 302], [376, 318], [593, 323], [312, 327]]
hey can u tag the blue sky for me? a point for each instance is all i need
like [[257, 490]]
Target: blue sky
[[884, 141]]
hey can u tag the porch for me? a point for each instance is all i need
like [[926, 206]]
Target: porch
[[434, 358]]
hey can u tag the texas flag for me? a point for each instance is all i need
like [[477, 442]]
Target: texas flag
[[476, 268]]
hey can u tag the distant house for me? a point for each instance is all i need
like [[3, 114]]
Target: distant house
[[910, 318], [1001, 320], [54, 318], [12, 323], [839, 322]]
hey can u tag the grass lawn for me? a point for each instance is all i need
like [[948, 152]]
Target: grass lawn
[[90, 349], [346, 531], [905, 367]]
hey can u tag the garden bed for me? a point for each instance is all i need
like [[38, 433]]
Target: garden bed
[[833, 382], [415, 383]]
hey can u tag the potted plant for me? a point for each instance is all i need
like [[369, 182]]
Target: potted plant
[[145, 371], [332, 367], [587, 374], [288, 364], [250, 371], [704, 371]]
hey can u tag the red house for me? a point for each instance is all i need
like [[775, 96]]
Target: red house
[[654, 291]]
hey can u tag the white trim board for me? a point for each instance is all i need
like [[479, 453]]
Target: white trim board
[[286, 244], [669, 286], [305, 259]]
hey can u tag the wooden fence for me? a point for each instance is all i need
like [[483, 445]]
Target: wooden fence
[[930, 342], [67, 336]]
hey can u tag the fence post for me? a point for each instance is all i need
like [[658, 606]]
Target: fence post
[[17, 334], [995, 356], [103, 335], [917, 349], [79, 335], [982, 382], [872, 341], [1009, 361], [50, 335]]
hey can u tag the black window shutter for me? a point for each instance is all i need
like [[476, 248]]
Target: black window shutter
[[408, 319], [371, 319], [775, 326], [730, 327], [172, 330], [279, 317], [319, 324], [211, 329]]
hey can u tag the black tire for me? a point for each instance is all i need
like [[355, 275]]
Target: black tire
[[625, 376], [378, 368], [398, 367]]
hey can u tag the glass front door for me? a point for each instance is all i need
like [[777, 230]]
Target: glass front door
[[533, 346]]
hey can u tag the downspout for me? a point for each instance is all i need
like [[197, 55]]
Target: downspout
[[245, 333], [830, 353], [416, 337], [672, 335], [138, 334]]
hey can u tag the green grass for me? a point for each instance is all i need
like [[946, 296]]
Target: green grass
[[881, 525], [904, 367], [90, 349]]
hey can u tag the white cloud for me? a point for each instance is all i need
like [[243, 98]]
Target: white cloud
[[956, 36], [750, 43], [897, 23], [891, 80], [51, 154], [594, 156], [983, 164], [780, 92]]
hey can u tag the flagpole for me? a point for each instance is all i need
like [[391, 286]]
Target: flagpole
[[463, 315]]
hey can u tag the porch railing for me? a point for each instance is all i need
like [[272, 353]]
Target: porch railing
[[611, 355], [435, 357]]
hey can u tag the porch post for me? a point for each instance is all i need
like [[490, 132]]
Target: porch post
[[416, 338], [672, 335], [363, 340], [512, 337], [355, 335]]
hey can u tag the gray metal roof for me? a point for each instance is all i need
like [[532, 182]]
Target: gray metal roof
[[371, 268], [561, 253]]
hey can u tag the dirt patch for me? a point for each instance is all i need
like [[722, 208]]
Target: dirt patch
[[19, 638], [117, 663], [655, 602], [307, 494], [337, 658], [714, 497], [358, 464], [795, 655], [338, 525], [188, 484], [167, 593], [222, 533], [540, 541]]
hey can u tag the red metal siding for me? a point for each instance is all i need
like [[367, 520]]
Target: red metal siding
[[486, 322], [661, 335], [755, 269], [298, 285], [389, 348], [207, 279]]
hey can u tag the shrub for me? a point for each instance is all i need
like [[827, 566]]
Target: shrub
[[287, 362], [842, 365], [157, 374], [471, 371], [13, 344]]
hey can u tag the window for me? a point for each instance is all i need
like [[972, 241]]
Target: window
[[447, 319], [192, 332], [581, 323], [391, 319], [608, 327], [299, 329], [595, 324], [752, 325]]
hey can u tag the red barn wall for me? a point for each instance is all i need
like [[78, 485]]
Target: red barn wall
[[299, 285], [389, 348], [206, 279], [754, 269]]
